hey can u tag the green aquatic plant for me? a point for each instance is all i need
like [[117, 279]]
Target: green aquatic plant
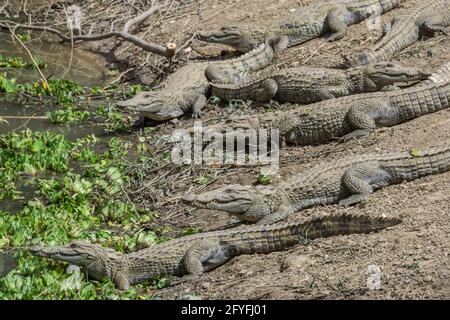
[[68, 115], [79, 195]]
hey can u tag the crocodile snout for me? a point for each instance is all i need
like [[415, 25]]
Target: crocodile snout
[[189, 197]]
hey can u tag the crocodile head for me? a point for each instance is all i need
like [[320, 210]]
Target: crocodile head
[[240, 38], [246, 202], [99, 262], [158, 106], [385, 73]]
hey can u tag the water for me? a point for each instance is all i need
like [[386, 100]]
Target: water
[[7, 263], [85, 68]]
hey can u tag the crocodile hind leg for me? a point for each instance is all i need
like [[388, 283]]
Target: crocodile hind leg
[[266, 91], [336, 23], [361, 181], [361, 122], [279, 215], [208, 251], [435, 24], [365, 117]]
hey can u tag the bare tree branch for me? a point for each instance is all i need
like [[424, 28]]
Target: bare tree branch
[[168, 51]]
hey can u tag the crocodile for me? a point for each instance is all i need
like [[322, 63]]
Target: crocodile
[[429, 17], [303, 24], [307, 85], [187, 88], [345, 181], [347, 117], [192, 255]]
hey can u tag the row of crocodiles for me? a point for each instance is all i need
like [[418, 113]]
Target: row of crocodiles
[[343, 103]]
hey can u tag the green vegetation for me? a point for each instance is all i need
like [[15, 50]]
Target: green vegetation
[[80, 196], [68, 115], [80, 192], [204, 179], [63, 91], [264, 180], [67, 94], [18, 62], [415, 152], [24, 37]]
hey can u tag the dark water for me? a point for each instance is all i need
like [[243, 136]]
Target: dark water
[[7, 263], [84, 67], [31, 117]]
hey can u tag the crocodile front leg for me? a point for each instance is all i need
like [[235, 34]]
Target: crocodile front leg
[[361, 181], [282, 213], [195, 102], [209, 252], [336, 23]]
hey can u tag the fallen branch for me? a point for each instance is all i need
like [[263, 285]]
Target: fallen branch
[[167, 51], [24, 117]]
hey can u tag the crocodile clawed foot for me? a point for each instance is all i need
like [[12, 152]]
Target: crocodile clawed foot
[[439, 29], [196, 115], [347, 202], [345, 139], [272, 104], [334, 37], [355, 135], [352, 200], [185, 279]]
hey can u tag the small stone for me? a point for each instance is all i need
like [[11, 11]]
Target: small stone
[[174, 121], [298, 263]]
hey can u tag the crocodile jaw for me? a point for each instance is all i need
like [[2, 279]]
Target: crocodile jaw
[[62, 253], [225, 35], [240, 38], [156, 106], [232, 206], [233, 199], [94, 258], [386, 73]]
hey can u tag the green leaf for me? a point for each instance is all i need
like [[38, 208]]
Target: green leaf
[[415, 152], [264, 180], [37, 146]]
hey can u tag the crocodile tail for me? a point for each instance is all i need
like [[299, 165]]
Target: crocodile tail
[[235, 70], [243, 90], [441, 76], [342, 224]]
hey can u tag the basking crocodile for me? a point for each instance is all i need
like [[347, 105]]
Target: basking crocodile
[[192, 255], [187, 88], [351, 116], [304, 24], [345, 181], [306, 85], [430, 16]]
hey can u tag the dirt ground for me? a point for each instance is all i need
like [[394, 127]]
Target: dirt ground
[[413, 256]]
